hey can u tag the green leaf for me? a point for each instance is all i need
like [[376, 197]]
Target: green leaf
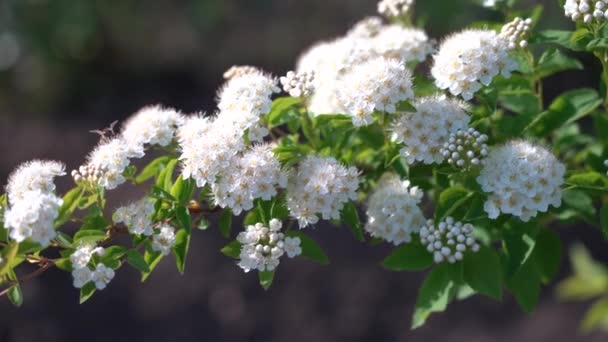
[[113, 253], [152, 259], [604, 220], [225, 223], [180, 249], [137, 261], [64, 240], [408, 257], [525, 287], [283, 110], [28, 247], [152, 169], [15, 295], [332, 120], [87, 291], [580, 201], [183, 217], [576, 40], [597, 316], [589, 180], [8, 255], [64, 264], [566, 108], [310, 248], [450, 200], [266, 278], [232, 250], [553, 61], [351, 217], [520, 101], [71, 200], [168, 175], [483, 272], [434, 295], [89, 236], [162, 194], [519, 245], [547, 255]]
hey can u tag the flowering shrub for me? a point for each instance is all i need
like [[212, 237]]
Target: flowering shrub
[[445, 150]]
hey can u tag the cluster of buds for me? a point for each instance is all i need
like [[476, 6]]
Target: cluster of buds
[[89, 174], [516, 31], [586, 10], [465, 149], [449, 240], [366, 28], [239, 70], [300, 84]]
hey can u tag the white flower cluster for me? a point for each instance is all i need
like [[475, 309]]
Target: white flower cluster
[[33, 205], [449, 240], [586, 10], [376, 85], [516, 31], [393, 212], [403, 43], [469, 59], [369, 39], [108, 161], [165, 240], [255, 174], [82, 274], [243, 99], [137, 217], [207, 147], [522, 179], [394, 8], [298, 84], [261, 246], [239, 70], [465, 148], [321, 185], [366, 28], [153, 125], [425, 131]]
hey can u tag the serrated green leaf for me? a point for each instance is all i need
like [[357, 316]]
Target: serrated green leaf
[[450, 200], [180, 249], [350, 216], [483, 272], [152, 169], [604, 220], [137, 261], [283, 110], [547, 255], [86, 236], [71, 201], [566, 108], [15, 295], [233, 250], [87, 291], [434, 294], [408, 257], [266, 278], [553, 61], [310, 248], [225, 223], [152, 259], [597, 316], [183, 217]]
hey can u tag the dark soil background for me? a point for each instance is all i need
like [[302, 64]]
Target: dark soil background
[[70, 66]]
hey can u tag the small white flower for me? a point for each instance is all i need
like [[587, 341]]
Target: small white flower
[[164, 240], [393, 212], [83, 254], [36, 175], [522, 179], [137, 217], [81, 276], [424, 132], [111, 158], [320, 186], [102, 276], [262, 247], [376, 85], [470, 59], [153, 125]]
